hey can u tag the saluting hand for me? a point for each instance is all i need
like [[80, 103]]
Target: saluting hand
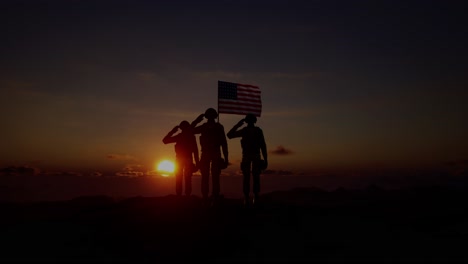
[[200, 117], [175, 129]]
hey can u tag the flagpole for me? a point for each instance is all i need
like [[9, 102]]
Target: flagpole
[[217, 110]]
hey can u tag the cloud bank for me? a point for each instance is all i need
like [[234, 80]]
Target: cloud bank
[[280, 150]]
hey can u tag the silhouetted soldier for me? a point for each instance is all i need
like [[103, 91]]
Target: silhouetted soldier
[[212, 140], [252, 142], [186, 153]]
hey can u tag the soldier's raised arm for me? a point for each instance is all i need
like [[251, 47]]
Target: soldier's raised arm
[[195, 129], [233, 133], [169, 138]]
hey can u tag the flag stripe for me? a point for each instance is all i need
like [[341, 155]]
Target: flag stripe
[[248, 94], [246, 107], [245, 99], [247, 85], [242, 89], [234, 103], [241, 112], [239, 98]]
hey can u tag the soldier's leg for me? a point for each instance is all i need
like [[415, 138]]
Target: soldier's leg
[[188, 178], [245, 168], [256, 171], [215, 175], [205, 174], [179, 176]]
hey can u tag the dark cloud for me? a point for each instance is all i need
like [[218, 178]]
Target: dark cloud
[[20, 170], [458, 163], [130, 173], [133, 167], [96, 174], [61, 173], [71, 173], [458, 167], [278, 172], [280, 150], [131, 170], [120, 157]]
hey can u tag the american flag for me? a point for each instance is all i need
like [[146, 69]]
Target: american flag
[[241, 99]]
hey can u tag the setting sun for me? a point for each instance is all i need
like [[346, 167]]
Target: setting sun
[[166, 167]]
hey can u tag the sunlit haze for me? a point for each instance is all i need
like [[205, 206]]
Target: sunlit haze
[[166, 168]]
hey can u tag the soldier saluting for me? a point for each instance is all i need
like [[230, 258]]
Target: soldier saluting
[[213, 142], [186, 153], [253, 144]]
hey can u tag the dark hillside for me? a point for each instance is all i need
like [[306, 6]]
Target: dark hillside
[[302, 224]]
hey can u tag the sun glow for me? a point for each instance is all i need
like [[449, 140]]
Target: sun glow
[[166, 168]]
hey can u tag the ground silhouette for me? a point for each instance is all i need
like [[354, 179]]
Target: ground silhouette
[[304, 224]]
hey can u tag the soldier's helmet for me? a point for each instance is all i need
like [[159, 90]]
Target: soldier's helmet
[[250, 119], [211, 113], [184, 125]]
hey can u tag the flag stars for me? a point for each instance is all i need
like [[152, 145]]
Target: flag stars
[[227, 90]]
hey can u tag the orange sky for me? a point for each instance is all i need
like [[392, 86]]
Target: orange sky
[[96, 86]]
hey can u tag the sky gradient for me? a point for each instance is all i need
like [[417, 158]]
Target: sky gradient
[[96, 85]]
